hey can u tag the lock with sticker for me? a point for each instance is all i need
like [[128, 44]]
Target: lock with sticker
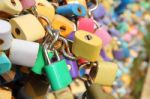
[[63, 24], [71, 9], [86, 45], [27, 4], [5, 35], [57, 72], [12, 7], [21, 52], [27, 27], [86, 24], [104, 73], [5, 64]]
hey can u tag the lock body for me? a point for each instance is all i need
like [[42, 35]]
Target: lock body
[[23, 53], [5, 35], [27, 27], [46, 10], [5, 64], [71, 9], [86, 24], [27, 4], [63, 24], [5, 94], [104, 35], [105, 73], [99, 12], [11, 7], [86, 45], [58, 75]]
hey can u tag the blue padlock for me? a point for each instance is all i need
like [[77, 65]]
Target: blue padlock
[[5, 64], [71, 9]]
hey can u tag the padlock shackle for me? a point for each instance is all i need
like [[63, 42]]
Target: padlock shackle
[[90, 10]]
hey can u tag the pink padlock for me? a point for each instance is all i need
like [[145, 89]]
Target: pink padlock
[[134, 31], [86, 24], [127, 37], [27, 4], [104, 35]]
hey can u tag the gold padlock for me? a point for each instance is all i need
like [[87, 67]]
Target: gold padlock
[[27, 27], [86, 45], [46, 10], [11, 6], [63, 24], [104, 73]]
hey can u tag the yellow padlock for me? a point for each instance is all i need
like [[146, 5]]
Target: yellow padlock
[[5, 93], [104, 73], [63, 24], [46, 10], [27, 27], [86, 45], [11, 6]]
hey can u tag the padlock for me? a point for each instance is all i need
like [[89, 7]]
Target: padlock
[[104, 35], [63, 24], [27, 4], [36, 87], [104, 73], [27, 27], [40, 62], [44, 3], [103, 55], [86, 24], [99, 12], [82, 2], [127, 37], [77, 87], [23, 53], [45, 10], [118, 54], [86, 45], [5, 93], [109, 51], [71, 36], [5, 64], [71, 9], [12, 7], [5, 35], [57, 73], [94, 91], [73, 68]]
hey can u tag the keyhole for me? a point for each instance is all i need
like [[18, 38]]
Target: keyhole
[[40, 4], [79, 10], [88, 37], [63, 28], [1, 41], [17, 31], [13, 2]]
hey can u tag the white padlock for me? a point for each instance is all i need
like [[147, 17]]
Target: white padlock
[[5, 35], [23, 52], [11, 6], [27, 27]]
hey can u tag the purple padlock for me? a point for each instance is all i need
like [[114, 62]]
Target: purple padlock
[[71, 36], [114, 32], [99, 12], [118, 54], [105, 58]]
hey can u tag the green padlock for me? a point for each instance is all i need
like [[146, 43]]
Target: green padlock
[[57, 72], [40, 62]]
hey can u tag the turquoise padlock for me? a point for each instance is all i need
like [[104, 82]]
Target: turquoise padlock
[[58, 73], [40, 62], [71, 9], [5, 64]]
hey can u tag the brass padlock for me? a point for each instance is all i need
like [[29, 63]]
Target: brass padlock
[[86, 45], [11, 6], [63, 24], [27, 27], [104, 73]]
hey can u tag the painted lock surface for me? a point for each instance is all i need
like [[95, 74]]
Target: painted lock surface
[[27, 4], [5, 35], [63, 24], [5, 64], [86, 45], [10, 7], [27, 27], [105, 73]]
